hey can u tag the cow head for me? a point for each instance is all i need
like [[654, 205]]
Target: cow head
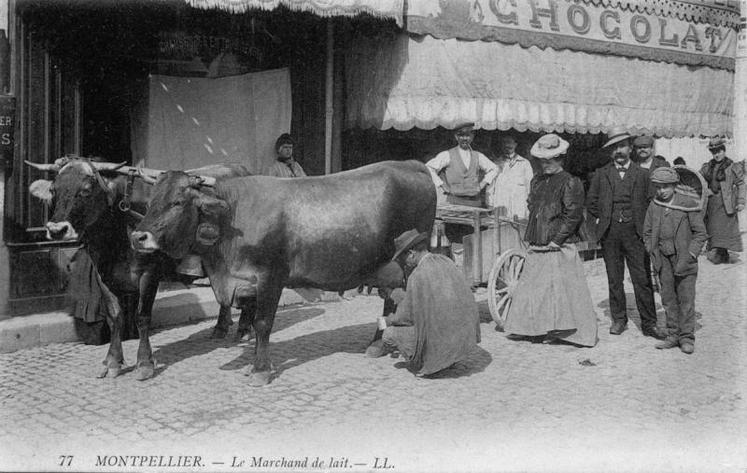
[[78, 196], [183, 210]]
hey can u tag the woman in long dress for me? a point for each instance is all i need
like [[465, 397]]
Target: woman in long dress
[[552, 299], [726, 199]]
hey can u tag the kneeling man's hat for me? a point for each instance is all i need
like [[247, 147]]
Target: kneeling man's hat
[[665, 175], [407, 240], [549, 146]]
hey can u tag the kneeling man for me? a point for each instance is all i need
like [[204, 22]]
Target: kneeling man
[[436, 323]]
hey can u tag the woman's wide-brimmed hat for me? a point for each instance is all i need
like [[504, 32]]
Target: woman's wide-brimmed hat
[[616, 135], [549, 146], [407, 240]]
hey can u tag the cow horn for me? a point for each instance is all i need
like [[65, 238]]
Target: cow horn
[[205, 180], [150, 176], [107, 166], [44, 167]]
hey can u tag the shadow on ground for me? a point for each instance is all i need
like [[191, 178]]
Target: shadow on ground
[[352, 339], [634, 316], [200, 343]]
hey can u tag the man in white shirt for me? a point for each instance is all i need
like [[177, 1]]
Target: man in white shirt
[[461, 173], [510, 190]]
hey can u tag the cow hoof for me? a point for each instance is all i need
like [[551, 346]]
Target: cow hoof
[[144, 371], [259, 378], [219, 333], [103, 372], [243, 332], [110, 371]]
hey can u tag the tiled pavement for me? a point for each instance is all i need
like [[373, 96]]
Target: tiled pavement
[[621, 406]]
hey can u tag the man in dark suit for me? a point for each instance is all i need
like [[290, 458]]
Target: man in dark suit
[[618, 197]]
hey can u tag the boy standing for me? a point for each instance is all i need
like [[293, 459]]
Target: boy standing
[[674, 236]]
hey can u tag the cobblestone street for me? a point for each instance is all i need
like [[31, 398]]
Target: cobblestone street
[[621, 406]]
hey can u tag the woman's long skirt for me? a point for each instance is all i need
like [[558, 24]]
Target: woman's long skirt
[[721, 227], [552, 298]]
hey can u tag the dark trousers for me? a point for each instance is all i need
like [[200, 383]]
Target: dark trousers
[[622, 245], [678, 298]]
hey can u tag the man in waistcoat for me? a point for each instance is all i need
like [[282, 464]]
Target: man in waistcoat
[[618, 198], [461, 173]]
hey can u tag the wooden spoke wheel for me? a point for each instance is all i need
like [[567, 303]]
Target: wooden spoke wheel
[[504, 276]]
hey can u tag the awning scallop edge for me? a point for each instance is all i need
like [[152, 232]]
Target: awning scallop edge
[[719, 13], [385, 9]]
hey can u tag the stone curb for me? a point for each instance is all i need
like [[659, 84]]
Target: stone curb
[[172, 307]]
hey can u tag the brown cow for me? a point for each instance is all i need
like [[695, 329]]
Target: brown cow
[[331, 232]]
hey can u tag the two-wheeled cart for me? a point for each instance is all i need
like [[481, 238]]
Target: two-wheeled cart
[[493, 254]]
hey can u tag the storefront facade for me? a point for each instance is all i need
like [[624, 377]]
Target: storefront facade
[[160, 84]]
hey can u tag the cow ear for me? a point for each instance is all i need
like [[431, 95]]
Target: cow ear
[[42, 189], [212, 206]]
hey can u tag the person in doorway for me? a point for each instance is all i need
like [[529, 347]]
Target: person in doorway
[[510, 189], [726, 199], [674, 238], [618, 198], [644, 154], [285, 165], [461, 173], [436, 324], [552, 299]]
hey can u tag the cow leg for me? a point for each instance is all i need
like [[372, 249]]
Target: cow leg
[[246, 320], [267, 305], [224, 321], [114, 357], [147, 287]]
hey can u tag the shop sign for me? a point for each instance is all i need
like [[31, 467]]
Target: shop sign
[[560, 24], [179, 45], [7, 121]]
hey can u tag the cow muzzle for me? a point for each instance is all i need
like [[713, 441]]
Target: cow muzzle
[[144, 242], [60, 231]]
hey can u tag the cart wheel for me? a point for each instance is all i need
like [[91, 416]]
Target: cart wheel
[[502, 282]]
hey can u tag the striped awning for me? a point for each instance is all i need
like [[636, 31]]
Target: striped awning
[[387, 9], [425, 82]]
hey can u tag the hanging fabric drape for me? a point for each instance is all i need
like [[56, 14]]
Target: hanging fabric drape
[[187, 122]]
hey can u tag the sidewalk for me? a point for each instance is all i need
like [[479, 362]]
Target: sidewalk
[[175, 305]]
